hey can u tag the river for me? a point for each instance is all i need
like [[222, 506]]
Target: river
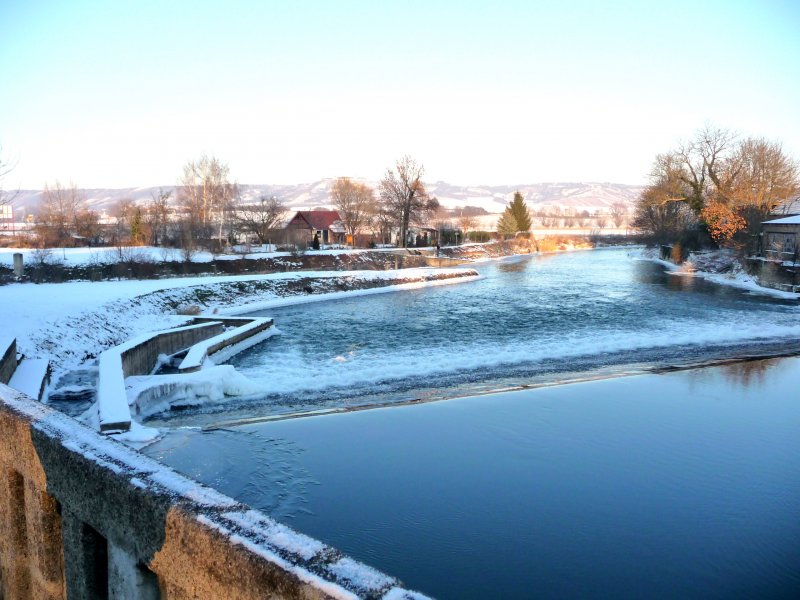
[[675, 484]]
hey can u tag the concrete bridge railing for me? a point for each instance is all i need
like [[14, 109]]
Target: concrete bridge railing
[[83, 516]]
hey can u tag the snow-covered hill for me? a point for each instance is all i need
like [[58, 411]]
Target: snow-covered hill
[[594, 197]]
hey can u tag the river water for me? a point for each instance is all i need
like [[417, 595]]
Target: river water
[[676, 484]]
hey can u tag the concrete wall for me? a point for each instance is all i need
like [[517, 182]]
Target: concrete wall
[[138, 357], [142, 358], [242, 328], [8, 359], [82, 516], [774, 274]]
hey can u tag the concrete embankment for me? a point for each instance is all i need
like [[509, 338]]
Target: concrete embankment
[[82, 516]]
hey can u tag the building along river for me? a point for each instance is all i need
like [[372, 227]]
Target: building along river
[[681, 483]]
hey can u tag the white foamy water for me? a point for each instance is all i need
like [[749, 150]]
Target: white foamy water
[[602, 307]]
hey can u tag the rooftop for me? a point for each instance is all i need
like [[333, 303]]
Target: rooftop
[[793, 220]]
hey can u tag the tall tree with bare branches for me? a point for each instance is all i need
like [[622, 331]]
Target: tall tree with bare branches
[[762, 176], [5, 169], [354, 202], [260, 218], [157, 215], [207, 195], [405, 196], [56, 221], [619, 211]]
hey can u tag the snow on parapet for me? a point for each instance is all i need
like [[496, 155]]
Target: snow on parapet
[[310, 560]]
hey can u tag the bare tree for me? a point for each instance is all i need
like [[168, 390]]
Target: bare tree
[[55, 222], [157, 216], [700, 165], [87, 224], [382, 220], [207, 195], [466, 222], [354, 202], [260, 219], [619, 212], [5, 168], [762, 176], [660, 215], [127, 228], [405, 195]]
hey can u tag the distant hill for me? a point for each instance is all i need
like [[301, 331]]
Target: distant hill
[[593, 197]]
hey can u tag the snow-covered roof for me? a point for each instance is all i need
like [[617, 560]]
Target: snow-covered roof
[[793, 220]]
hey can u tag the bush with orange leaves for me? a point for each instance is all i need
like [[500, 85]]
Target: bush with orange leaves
[[722, 221]]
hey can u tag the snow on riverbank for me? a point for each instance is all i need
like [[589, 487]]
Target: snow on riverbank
[[732, 273], [69, 323]]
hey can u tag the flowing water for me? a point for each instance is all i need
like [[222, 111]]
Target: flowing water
[[529, 320], [678, 484]]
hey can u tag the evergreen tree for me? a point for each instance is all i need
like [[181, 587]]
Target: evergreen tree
[[520, 211], [507, 224], [315, 242]]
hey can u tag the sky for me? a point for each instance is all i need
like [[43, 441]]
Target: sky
[[116, 94]]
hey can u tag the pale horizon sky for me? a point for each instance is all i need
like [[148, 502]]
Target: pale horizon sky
[[115, 94]]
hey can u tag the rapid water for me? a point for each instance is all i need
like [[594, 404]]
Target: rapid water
[[528, 321]]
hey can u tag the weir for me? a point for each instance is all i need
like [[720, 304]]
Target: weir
[[139, 356]]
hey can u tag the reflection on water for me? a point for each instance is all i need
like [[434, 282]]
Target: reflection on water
[[517, 265], [752, 374], [685, 484]]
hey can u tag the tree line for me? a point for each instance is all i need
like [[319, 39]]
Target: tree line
[[206, 211], [715, 190]]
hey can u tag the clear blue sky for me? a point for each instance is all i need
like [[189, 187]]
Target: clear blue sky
[[115, 94]]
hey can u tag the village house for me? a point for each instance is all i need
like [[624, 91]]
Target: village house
[[780, 238], [324, 223]]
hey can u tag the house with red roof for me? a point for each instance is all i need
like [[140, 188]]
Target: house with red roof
[[325, 223]]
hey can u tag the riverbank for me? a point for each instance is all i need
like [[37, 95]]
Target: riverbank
[[720, 267], [59, 265]]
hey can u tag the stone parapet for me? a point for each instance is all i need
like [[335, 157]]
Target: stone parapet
[[83, 516]]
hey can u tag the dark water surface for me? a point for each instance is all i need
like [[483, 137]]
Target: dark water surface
[[683, 484]]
